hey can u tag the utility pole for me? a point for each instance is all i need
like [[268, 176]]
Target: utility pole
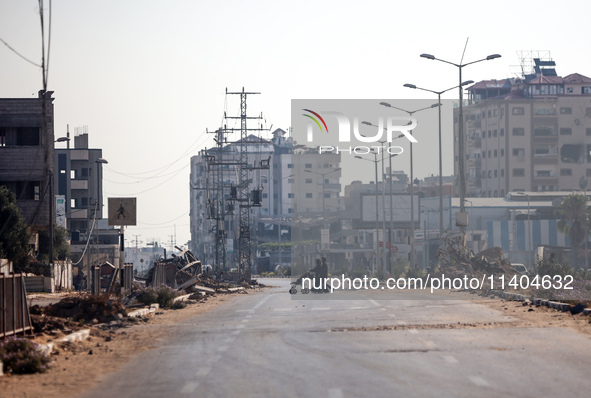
[[244, 198]]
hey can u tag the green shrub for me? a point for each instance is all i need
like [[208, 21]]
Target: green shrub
[[165, 296], [177, 305], [21, 356]]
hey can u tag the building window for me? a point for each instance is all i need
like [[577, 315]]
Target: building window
[[502, 132], [494, 133], [544, 131], [489, 155], [484, 134], [518, 131], [308, 181], [290, 165], [502, 172], [484, 174], [502, 190], [496, 173], [588, 173], [290, 180], [588, 131], [566, 130], [265, 195], [308, 195], [566, 172], [489, 113], [566, 111], [27, 190], [502, 152], [495, 153], [327, 194], [308, 165], [490, 174], [518, 172], [489, 133], [518, 152], [289, 210], [290, 195], [518, 110]]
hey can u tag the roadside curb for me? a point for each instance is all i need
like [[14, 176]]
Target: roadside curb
[[143, 311], [538, 302], [80, 335]]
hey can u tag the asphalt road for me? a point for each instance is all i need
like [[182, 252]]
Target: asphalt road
[[272, 344]]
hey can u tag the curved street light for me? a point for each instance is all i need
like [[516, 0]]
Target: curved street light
[[440, 146], [461, 122]]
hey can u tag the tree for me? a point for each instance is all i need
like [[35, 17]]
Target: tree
[[573, 215], [61, 247], [14, 232]]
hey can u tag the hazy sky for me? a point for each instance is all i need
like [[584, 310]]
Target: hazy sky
[[148, 78]]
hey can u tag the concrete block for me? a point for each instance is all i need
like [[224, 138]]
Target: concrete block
[[140, 312], [46, 349], [76, 336]]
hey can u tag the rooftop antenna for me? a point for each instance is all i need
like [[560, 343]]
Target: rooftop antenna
[[465, 46]]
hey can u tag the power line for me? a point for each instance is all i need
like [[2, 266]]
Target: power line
[[19, 54]]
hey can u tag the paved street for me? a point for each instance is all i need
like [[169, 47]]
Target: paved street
[[271, 344]]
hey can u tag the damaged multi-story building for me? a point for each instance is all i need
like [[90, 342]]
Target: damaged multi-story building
[[529, 133], [26, 156]]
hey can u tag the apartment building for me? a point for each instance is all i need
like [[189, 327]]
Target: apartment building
[[26, 155], [526, 134]]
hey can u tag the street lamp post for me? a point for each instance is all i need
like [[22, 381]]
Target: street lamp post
[[461, 124], [391, 230], [440, 146], [412, 215], [375, 161], [99, 162]]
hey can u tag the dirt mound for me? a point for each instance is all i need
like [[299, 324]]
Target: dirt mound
[[103, 308]]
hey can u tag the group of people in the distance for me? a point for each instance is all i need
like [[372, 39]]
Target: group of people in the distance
[[320, 272]]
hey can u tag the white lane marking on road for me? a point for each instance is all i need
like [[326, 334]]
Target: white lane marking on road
[[245, 320], [359, 308], [413, 331], [203, 371], [434, 306], [189, 387], [429, 344], [449, 359], [401, 323], [248, 316], [335, 393], [239, 326], [479, 381], [375, 303], [261, 302], [222, 348], [392, 315], [282, 309], [235, 332], [321, 309], [245, 311], [230, 340]]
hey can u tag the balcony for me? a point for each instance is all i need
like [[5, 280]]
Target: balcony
[[79, 184]]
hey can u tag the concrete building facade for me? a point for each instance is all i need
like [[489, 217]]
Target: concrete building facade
[[26, 155], [531, 133]]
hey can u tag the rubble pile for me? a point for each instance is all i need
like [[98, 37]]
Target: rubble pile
[[456, 261], [86, 308]]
